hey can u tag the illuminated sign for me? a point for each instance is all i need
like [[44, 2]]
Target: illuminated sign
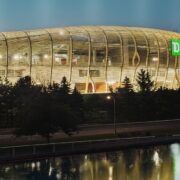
[[175, 47]]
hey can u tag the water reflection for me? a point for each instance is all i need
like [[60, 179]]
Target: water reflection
[[157, 163], [175, 150]]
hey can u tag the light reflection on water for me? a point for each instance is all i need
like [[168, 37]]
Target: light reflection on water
[[157, 163]]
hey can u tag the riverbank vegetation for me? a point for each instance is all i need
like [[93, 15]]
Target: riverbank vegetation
[[35, 109]]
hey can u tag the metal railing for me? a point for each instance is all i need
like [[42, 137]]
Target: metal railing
[[10, 152], [24, 152]]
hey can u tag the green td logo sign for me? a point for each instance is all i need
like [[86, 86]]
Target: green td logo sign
[[175, 47]]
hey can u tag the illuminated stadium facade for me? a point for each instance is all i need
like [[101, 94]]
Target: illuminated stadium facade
[[92, 58]]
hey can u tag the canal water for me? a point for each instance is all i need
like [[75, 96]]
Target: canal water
[[155, 163]]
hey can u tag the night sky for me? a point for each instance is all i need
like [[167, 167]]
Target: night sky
[[32, 14]]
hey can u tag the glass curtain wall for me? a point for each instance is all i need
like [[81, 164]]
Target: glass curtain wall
[[80, 60], [129, 52], [168, 56], [3, 57], [41, 57], [98, 75], [115, 58], [61, 54], [153, 54], [171, 67], [18, 56], [163, 50], [141, 55]]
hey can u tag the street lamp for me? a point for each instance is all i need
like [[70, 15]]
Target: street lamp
[[114, 108]]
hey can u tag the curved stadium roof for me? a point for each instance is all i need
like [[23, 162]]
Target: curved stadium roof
[[134, 32]]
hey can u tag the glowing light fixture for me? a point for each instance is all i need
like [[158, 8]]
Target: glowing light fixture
[[38, 83], [108, 97], [46, 56], [155, 59], [17, 56], [111, 82], [61, 33], [57, 59]]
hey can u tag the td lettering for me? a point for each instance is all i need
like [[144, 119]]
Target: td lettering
[[175, 47]]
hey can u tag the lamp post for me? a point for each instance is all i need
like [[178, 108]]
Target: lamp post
[[114, 111]]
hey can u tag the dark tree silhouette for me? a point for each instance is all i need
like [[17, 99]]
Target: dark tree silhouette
[[65, 86], [6, 104], [37, 118], [145, 84], [45, 111], [24, 92], [34, 109], [77, 103], [127, 86]]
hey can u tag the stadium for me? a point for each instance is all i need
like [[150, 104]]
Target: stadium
[[91, 57]]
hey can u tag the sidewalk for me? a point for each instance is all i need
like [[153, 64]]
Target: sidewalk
[[90, 132]]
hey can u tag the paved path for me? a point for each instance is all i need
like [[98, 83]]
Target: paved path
[[6, 137]]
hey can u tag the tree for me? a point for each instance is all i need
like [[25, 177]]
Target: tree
[[24, 93], [127, 86], [44, 111], [77, 103], [37, 118], [145, 99], [6, 104], [22, 89], [65, 86], [145, 84], [24, 82], [61, 91], [96, 108]]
